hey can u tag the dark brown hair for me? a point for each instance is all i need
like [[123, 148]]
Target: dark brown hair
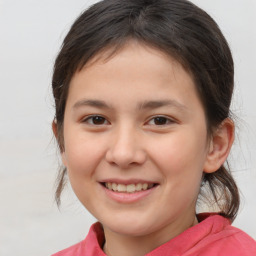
[[177, 28]]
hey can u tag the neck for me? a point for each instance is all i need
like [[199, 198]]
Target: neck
[[117, 244]]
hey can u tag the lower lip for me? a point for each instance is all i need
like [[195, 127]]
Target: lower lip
[[121, 197]]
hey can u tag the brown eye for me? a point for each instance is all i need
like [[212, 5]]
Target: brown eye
[[96, 120], [160, 120]]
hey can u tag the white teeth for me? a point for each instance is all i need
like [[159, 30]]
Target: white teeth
[[121, 188], [130, 188], [138, 187], [114, 186], [145, 186]]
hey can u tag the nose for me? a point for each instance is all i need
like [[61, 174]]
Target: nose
[[126, 148]]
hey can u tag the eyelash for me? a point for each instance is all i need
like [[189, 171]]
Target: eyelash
[[103, 121], [166, 120], [89, 120]]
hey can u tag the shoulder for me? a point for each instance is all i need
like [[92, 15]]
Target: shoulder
[[70, 251], [231, 241], [90, 246], [224, 239], [238, 242]]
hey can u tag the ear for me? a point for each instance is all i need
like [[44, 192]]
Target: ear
[[55, 132], [54, 129], [220, 145]]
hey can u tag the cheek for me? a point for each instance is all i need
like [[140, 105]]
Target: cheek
[[82, 159], [81, 156], [180, 154], [181, 165]]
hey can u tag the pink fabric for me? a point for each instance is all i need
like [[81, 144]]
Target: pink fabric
[[213, 236]]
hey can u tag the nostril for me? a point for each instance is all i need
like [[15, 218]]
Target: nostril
[[125, 157]]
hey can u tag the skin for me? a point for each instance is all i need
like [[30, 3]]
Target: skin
[[127, 142]]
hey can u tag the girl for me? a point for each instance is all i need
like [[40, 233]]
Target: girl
[[142, 92]]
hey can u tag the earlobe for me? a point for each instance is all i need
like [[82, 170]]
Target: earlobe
[[220, 145], [54, 129]]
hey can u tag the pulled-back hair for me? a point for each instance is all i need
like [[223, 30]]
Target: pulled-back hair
[[179, 29]]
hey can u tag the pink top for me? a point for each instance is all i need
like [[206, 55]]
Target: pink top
[[211, 237]]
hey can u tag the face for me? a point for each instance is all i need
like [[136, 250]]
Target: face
[[135, 141]]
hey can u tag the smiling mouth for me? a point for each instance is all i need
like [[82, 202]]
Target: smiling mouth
[[129, 188]]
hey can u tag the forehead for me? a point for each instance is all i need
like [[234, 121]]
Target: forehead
[[110, 51], [134, 55], [136, 69]]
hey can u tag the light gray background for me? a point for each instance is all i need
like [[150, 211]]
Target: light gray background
[[31, 33]]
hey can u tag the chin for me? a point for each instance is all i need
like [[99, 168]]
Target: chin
[[129, 228]]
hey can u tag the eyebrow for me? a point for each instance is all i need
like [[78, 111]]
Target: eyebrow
[[162, 103], [151, 104], [92, 103]]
